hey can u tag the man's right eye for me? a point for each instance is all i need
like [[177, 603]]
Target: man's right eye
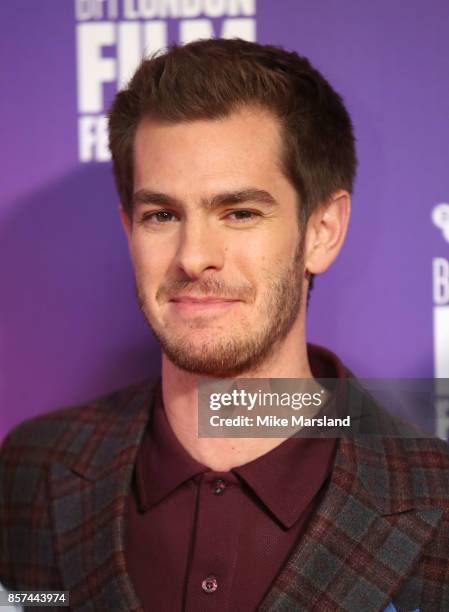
[[160, 216]]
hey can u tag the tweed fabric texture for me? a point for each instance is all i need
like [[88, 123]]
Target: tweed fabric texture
[[380, 534]]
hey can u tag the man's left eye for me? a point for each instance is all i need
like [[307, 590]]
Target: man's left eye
[[243, 215]]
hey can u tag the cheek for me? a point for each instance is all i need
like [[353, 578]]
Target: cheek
[[269, 255], [147, 263]]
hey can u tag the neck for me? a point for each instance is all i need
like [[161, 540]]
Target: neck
[[180, 396]]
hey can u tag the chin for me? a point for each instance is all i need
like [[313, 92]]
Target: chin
[[209, 368], [224, 358]]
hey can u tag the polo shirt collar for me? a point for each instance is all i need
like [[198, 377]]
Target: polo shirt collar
[[162, 462], [285, 479]]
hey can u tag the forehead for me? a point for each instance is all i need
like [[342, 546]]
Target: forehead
[[243, 147]]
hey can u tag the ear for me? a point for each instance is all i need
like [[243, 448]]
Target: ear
[[126, 222], [326, 231]]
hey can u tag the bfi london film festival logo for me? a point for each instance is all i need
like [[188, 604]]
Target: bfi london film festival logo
[[440, 266], [112, 36]]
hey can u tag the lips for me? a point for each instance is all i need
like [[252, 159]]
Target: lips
[[201, 300], [201, 305]]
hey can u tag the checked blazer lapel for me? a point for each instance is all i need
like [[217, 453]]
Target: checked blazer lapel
[[88, 504], [358, 549], [361, 544]]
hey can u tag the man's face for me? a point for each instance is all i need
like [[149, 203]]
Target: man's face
[[215, 241]]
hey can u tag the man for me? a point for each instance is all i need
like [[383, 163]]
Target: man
[[234, 164]]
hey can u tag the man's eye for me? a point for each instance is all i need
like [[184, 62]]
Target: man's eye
[[161, 216], [243, 215]]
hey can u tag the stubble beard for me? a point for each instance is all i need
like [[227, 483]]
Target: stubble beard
[[229, 357]]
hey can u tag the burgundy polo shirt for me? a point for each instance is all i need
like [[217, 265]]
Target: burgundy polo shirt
[[198, 539]]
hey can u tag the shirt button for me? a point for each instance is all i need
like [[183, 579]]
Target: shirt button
[[209, 584], [218, 486]]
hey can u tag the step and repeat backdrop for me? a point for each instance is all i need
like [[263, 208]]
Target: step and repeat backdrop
[[70, 328]]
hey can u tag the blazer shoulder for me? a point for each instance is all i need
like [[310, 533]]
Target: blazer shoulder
[[405, 473], [61, 434], [390, 434], [400, 466], [428, 467]]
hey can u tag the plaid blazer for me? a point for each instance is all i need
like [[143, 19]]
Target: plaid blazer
[[379, 539]]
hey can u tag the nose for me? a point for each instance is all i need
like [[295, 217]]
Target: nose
[[199, 248]]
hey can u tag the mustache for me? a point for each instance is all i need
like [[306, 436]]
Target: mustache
[[205, 287]]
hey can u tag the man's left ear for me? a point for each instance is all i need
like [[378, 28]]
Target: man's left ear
[[326, 231]]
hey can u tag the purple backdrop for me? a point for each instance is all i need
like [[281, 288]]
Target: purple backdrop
[[70, 328]]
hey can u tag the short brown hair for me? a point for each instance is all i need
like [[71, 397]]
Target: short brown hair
[[208, 79]]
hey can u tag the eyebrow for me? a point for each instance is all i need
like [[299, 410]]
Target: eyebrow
[[238, 196]]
